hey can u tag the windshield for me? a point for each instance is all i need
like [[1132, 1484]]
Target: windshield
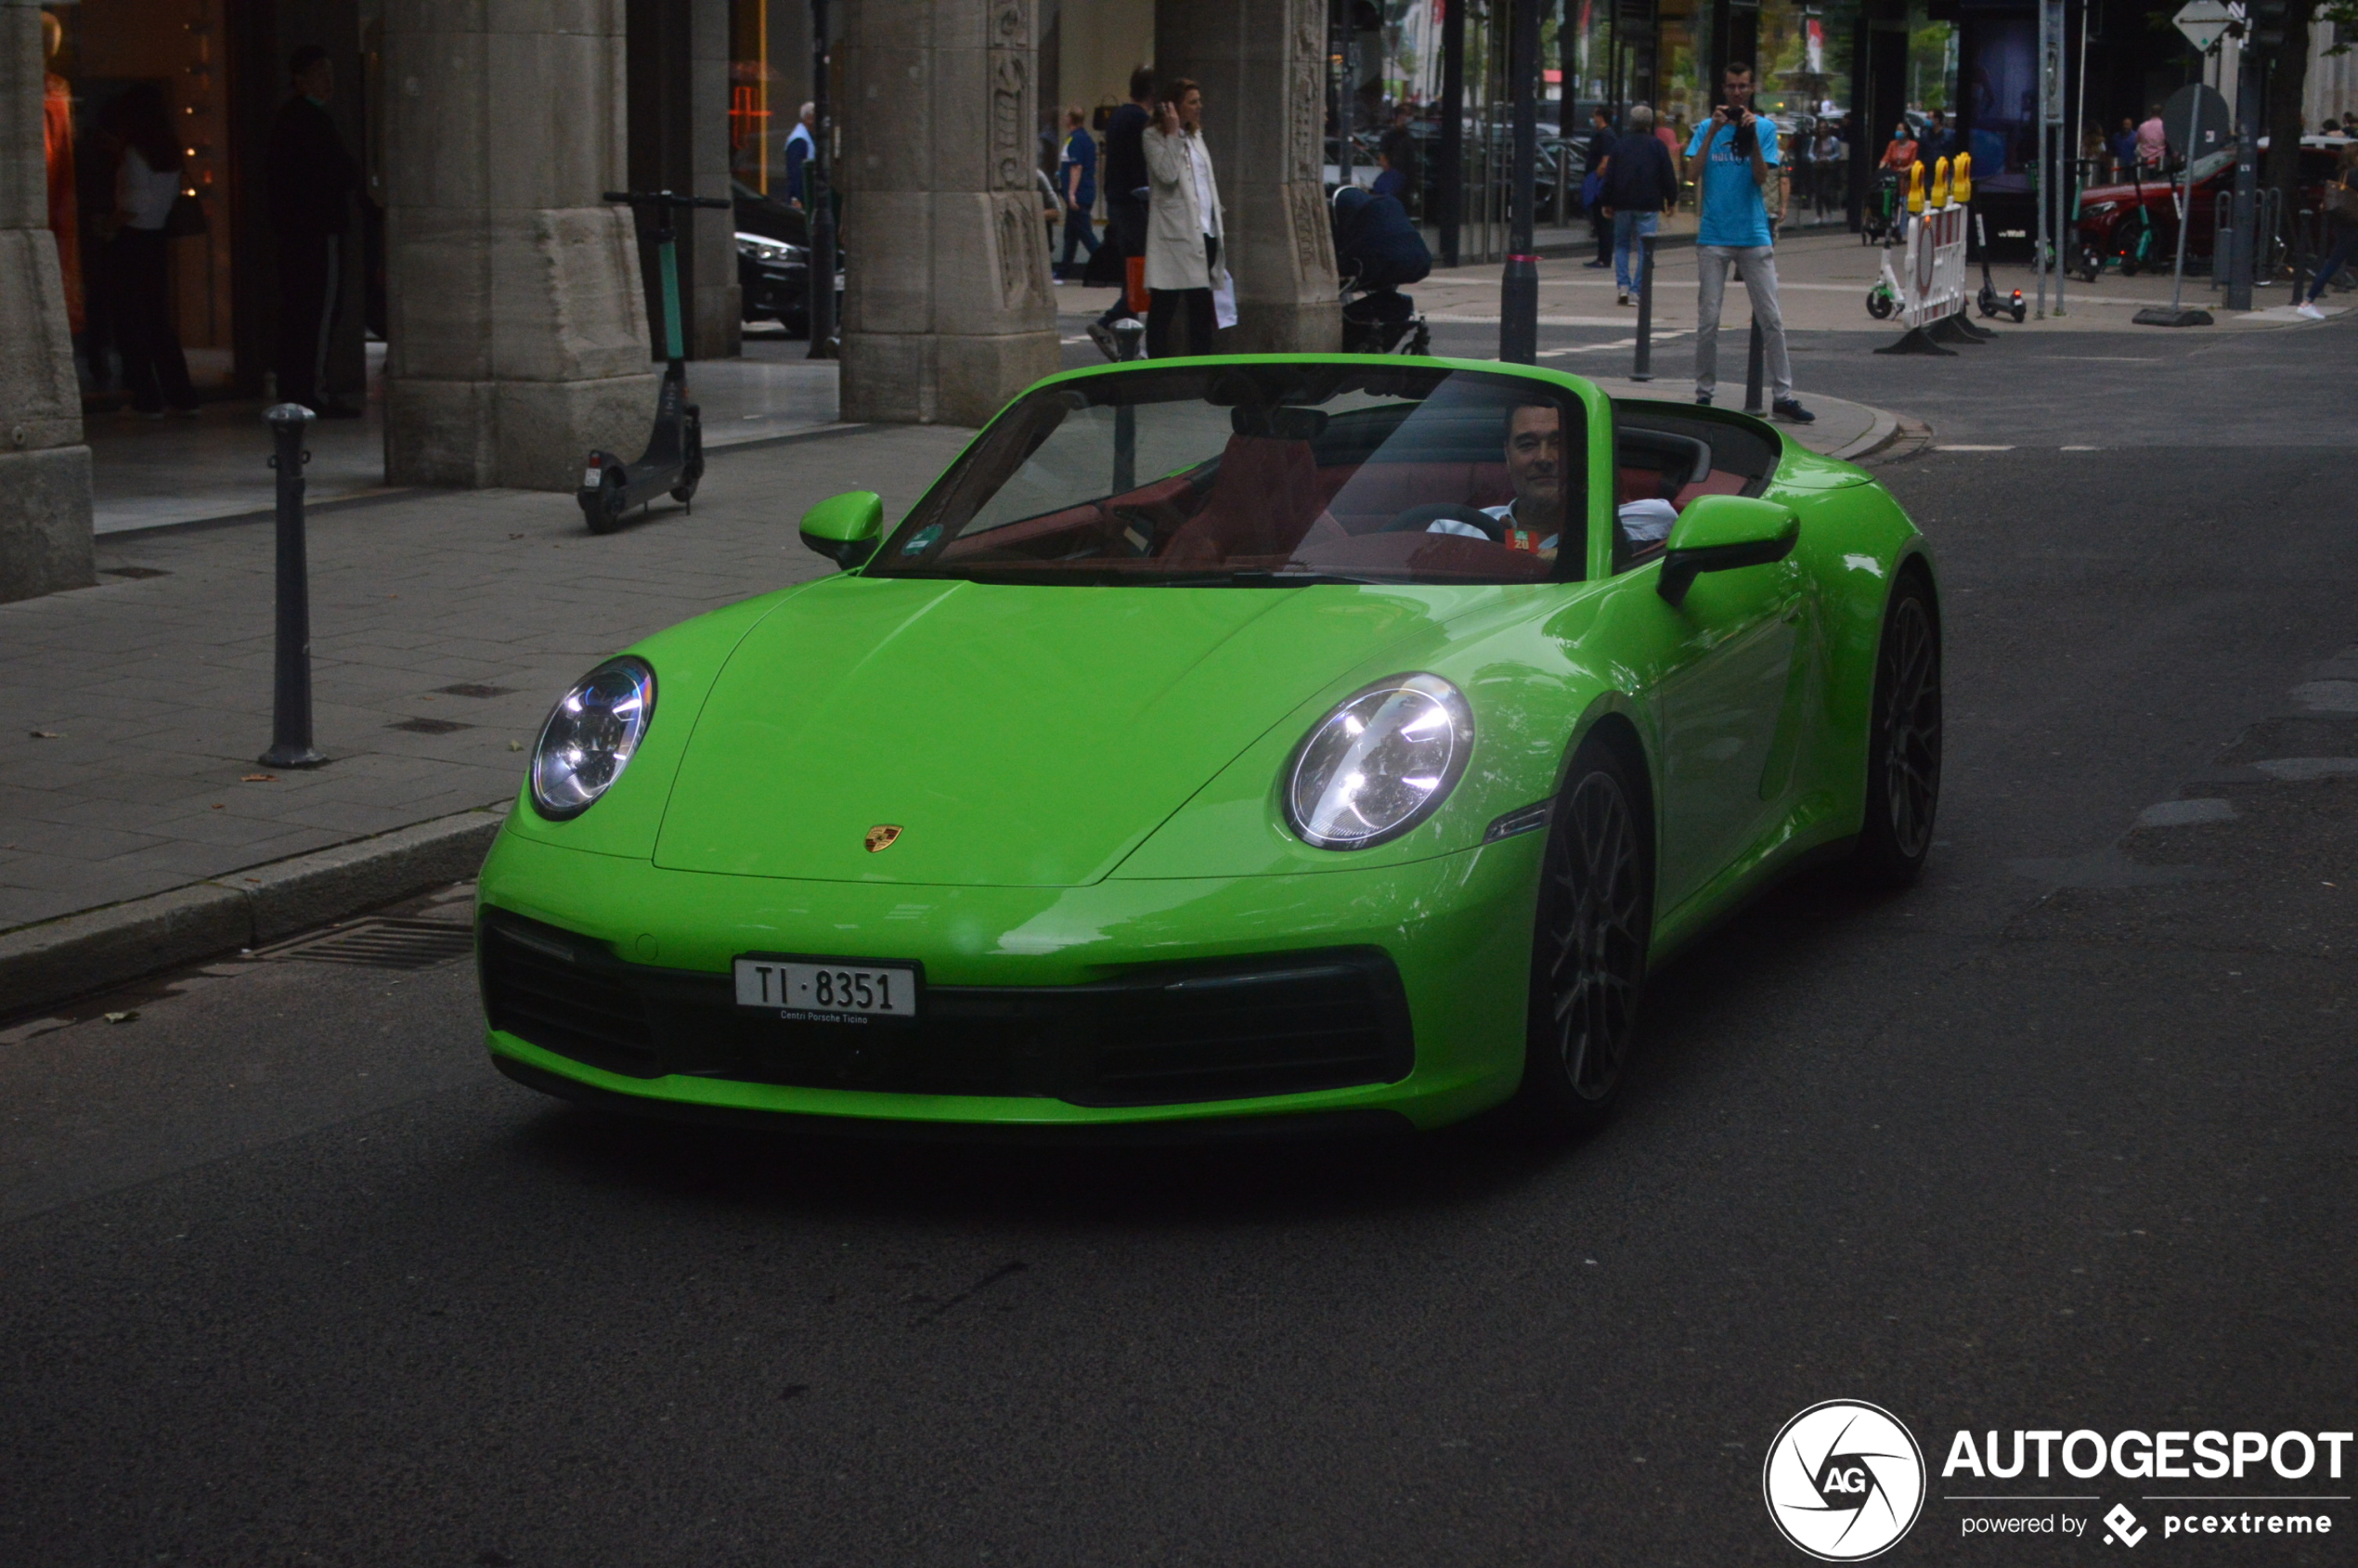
[[1267, 474]]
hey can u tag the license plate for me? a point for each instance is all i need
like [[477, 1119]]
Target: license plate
[[827, 993]]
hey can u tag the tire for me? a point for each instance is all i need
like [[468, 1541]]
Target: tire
[[2020, 312], [605, 515], [1903, 742], [1879, 304], [1592, 925]]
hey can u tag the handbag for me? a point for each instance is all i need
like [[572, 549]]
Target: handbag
[[186, 219], [2340, 201], [1591, 190]]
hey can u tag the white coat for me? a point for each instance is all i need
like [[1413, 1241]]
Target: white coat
[[1175, 226]]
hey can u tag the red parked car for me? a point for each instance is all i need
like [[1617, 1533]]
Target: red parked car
[[2134, 225]]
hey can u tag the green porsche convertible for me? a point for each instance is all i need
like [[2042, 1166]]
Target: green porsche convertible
[[1224, 744]]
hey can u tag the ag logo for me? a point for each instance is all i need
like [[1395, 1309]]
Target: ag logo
[[1844, 1480]]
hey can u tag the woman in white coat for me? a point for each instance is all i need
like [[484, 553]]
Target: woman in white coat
[[1184, 224]]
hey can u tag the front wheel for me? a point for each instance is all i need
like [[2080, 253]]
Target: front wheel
[[1880, 304], [1594, 922], [1903, 742]]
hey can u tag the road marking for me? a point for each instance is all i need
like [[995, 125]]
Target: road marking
[[2079, 448], [2111, 359], [1963, 446], [1601, 347]]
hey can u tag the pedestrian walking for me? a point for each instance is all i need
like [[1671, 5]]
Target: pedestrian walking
[[138, 266], [1640, 185], [1184, 226], [1126, 186], [1077, 184], [802, 145], [310, 179], [2340, 203], [1592, 184], [1733, 154]]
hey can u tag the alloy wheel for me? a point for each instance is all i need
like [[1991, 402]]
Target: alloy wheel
[[1593, 938], [1911, 722]]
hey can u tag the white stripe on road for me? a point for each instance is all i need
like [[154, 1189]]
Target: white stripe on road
[[1963, 446], [1601, 347]]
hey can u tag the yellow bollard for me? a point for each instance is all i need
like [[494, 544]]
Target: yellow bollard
[[1961, 188], [1940, 184], [1915, 187]]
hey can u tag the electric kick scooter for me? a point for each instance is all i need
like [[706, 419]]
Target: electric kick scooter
[[673, 462]]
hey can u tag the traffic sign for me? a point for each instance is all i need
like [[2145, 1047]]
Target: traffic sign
[[2206, 21]]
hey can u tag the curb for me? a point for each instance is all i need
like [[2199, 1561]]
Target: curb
[[97, 949], [1878, 435]]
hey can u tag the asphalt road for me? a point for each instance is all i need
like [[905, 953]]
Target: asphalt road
[[2059, 1139]]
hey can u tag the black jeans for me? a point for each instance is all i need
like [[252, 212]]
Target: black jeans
[[154, 370], [1126, 232], [306, 300], [1080, 235], [1164, 305]]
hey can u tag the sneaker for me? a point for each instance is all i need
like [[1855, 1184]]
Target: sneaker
[[1592, 265], [1103, 337], [1790, 410], [2308, 311], [1622, 300], [1702, 399]]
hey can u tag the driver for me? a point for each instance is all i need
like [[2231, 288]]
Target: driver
[[1535, 468], [1534, 520]]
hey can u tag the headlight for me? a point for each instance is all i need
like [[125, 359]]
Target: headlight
[[1380, 763], [590, 737], [761, 248]]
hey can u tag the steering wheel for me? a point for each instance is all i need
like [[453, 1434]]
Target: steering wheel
[[1421, 519]]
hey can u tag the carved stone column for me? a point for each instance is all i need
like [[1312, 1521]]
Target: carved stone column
[[948, 309], [44, 468], [518, 336], [1262, 65]]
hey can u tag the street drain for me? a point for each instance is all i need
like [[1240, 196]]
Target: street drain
[[429, 726], [386, 943]]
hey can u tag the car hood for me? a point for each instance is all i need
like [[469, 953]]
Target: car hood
[[1015, 735]]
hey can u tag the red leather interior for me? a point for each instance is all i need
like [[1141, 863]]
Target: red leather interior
[[1265, 499], [1373, 494]]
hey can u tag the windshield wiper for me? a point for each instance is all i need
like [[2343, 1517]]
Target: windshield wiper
[[1263, 577]]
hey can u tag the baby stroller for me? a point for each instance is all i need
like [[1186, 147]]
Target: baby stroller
[[1377, 250]]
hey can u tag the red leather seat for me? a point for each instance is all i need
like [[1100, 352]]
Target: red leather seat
[[1265, 499]]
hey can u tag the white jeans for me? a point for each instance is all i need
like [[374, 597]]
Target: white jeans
[[1756, 264]]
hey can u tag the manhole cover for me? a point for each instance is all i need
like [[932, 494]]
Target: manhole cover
[[429, 726], [386, 943], [474, 689]]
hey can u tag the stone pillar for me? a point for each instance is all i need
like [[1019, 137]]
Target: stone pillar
[[948, 310], [518, 338], [1262, 65], [44, 469]]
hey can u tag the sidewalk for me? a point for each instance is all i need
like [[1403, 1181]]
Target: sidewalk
[[145, 473], [443, 624]]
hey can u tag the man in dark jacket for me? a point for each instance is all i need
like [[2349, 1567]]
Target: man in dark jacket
[[1125, 175], [310, 178], [1639, 187], [1601, 144]]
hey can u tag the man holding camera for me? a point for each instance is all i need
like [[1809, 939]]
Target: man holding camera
[[1732, 154]]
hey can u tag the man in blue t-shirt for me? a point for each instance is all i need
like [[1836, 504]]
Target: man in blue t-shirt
[[1077, 185], [1732, 154]]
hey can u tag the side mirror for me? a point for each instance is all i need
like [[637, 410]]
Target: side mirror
[[1721, 533], [845, 528]]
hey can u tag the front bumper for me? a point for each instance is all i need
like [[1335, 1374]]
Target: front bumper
[[1034, 990]]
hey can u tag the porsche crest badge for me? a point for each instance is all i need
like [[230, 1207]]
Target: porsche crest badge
[[881, 837]]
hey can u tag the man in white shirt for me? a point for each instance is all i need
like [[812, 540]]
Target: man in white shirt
[[1183, 226], [1536, 467]]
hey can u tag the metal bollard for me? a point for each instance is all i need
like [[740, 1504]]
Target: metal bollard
[[1644, 370], [1753, 357], [1129, 338], [290, 707]]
